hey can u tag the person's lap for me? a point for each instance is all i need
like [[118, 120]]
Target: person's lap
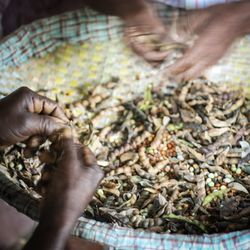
[[13, 225]]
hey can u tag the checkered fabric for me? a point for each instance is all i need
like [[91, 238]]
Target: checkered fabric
[[45, 35], [194, 4], [124, 238], [120, 238]]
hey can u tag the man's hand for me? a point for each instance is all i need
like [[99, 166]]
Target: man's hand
[[70, 187], [24, 114], [217, 28], [145, 33], [143, 30], [72, 182]]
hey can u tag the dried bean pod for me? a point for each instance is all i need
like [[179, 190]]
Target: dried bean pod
[[161, 165], [173, 197], [143, 173], [121, 170], [158, 138], [200, 191], [143, 158], [136, 142], [143, 196]]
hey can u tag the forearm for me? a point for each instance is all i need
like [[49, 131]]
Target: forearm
[[121, 8], [236, 17], [54, 227], [48, 237], [244, 11]]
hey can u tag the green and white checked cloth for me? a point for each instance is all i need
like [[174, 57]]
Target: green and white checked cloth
[[45, 35]]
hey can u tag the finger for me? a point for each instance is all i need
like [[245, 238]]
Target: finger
[[47, 173], [28, 153], [88, 157], [43, 105], [45, 180], [147, 49], [148, 54], [40, 189], [34, 141], [193, 72], [48, 157], [182, 65], [192, 56], [156, 56], [32, 145], [44, 125], [63, 144], [64, 133]]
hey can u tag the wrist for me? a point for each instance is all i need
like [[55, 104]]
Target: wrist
[[241, 11], [49, 236], [59, 219], [130, 11], [55, 223], [135, 14], [61, 211]]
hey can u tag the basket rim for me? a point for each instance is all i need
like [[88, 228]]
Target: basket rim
[[123, 237]]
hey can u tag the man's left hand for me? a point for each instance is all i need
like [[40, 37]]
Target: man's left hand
[[144, 33], [24, 114]]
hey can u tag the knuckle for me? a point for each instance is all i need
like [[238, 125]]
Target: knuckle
[[23, 90], [96, 172]]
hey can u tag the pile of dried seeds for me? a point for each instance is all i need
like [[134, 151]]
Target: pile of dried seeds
[[178, 163]]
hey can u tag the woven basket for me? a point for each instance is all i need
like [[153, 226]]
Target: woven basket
[[83, 48]]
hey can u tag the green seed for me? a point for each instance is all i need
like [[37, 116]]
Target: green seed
[[227, 180], [211, 184], [171, 127], [12, 164], [196, 166], [208, 180], [191, 169], [19, 167], [233, 168], [238, 171], [211, 175], [223, 187]]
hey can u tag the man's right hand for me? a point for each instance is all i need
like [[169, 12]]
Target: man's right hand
[[72, 181], [70, 187], [216, 28]]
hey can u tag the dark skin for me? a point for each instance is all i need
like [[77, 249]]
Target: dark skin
[[139, 18], [65, 200], [25, 113], [75, 174], [216, 27]]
